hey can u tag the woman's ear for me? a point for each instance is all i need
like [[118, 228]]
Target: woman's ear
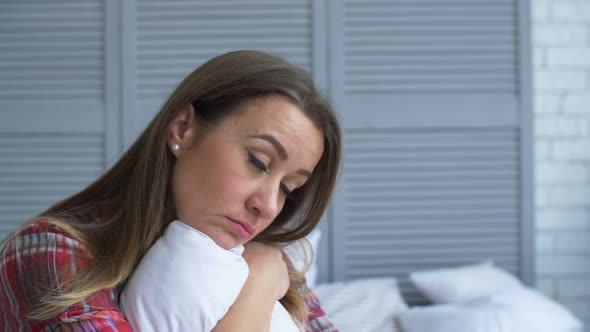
[[182, 130]]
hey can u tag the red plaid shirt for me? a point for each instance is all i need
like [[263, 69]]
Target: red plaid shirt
[[50, 255]]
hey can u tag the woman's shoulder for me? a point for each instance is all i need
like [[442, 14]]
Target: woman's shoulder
[[41, 255], [39, 225], [39, 235]]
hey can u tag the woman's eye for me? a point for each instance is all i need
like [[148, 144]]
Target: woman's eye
[[258, 163], [261, 166], [288, 193]]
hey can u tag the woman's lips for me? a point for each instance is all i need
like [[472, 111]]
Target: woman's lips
[[244, 229]]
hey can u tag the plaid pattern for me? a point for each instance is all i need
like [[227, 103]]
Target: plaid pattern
[[317, 319], [50, 256]]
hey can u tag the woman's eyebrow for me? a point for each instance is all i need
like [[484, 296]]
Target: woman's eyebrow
[[277, 145], [281, 150]]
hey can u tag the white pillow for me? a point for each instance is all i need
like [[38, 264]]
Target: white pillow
[[281, 321], [463, 283], [169, 281], [299, 253], [516, 310], [364, 305], [460, 318], [538, 312], [171, 277]]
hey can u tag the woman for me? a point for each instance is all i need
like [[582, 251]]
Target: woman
[[245, 150]]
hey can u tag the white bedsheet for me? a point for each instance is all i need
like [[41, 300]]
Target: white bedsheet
[[365, 305]]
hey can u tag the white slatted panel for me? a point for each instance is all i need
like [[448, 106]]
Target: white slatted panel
[[39, 169], [416, 200], [51, 50], [175, 37], [52, 103], [429, 92], [429, 46]]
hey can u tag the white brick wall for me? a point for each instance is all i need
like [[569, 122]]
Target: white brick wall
[[561, 61]]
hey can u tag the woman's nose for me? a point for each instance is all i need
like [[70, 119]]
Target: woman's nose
[[265, 202]]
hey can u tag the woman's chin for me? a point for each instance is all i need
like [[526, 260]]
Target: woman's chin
[[225, 240]]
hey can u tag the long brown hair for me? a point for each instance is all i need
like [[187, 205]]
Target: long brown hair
[[135, 192]]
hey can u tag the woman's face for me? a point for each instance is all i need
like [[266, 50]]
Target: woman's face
[[233, 182]]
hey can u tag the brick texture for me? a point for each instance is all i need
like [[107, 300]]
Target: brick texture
[[561, 88]]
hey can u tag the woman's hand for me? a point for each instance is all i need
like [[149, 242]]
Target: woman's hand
[[267, 268], [267, 282]]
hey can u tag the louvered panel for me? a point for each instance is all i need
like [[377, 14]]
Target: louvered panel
[[51, 51], [175, 37], [39, 169], [427, 46], [417, 199]]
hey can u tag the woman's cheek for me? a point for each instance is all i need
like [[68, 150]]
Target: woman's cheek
[[236, 184]]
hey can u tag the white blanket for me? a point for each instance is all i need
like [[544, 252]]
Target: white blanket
[[186, 282]]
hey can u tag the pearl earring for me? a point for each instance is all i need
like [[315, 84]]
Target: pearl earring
[[175, 147]]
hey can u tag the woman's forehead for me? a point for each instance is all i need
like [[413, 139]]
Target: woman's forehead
[[282, 120]]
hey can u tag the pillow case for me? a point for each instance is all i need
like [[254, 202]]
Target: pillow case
[[482, 298], [464, 283], [300, 252], [516, 310], [171, 277], [460, 318], [364, 305], [537, 312]]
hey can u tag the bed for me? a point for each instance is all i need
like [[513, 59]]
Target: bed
[[477, 297]]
